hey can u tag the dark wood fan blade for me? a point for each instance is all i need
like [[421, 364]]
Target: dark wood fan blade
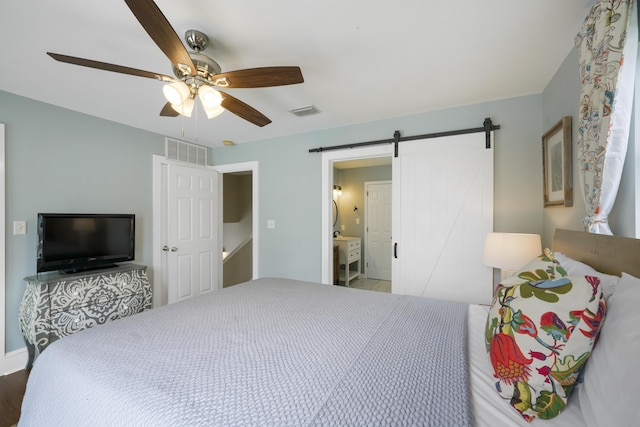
[[243, 110], [160, 30], [108, 67], [168, 111], [262, 77]]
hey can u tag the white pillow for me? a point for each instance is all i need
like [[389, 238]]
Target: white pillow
[[577, 268], [610, 394]]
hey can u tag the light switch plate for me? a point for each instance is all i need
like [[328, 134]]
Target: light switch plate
[[271, 223], [19, 227]]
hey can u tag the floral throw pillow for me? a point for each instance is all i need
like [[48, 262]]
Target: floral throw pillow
[[540, 331], [545, 266]]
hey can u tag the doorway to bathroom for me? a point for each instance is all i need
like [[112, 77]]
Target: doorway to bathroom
[[362, 222]]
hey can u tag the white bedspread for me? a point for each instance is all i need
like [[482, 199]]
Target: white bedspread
[[269, 352]]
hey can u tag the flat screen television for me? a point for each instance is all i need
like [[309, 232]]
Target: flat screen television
[[75, 242]]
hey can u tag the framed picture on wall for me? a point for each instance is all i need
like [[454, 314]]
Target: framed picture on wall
[[557, 165]]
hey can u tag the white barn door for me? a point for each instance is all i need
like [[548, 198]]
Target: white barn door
[[443, 209], [192, 232]]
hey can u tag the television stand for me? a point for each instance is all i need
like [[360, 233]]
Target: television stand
[[55, 305], [87, 270]]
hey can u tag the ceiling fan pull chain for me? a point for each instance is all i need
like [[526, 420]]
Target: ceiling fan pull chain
[[182, 127], [196, 121]]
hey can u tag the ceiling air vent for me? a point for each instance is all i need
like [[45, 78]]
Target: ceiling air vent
[[185, 151], [305, 111]]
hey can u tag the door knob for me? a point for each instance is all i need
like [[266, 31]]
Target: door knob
[[173, 249], [165, 248]]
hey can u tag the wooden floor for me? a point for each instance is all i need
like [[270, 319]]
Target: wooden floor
[[12, 388]]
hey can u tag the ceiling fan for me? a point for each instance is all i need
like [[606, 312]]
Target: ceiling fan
[[195, 73]]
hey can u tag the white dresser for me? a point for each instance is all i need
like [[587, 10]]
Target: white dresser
[[349, 257]]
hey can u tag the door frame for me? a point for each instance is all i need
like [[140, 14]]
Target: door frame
[[253, 168], [159, 215], [328, 158], [16, 359]]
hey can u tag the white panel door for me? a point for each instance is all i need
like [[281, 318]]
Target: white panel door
[[443, 209], [192, 232], [378, 230]]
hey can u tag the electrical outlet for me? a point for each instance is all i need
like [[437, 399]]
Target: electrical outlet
[[19, 227], [342, 227], [271, 223]]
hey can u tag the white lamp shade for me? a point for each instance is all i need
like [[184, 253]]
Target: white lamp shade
[[185, 108], [176, 93], [510, 251], [213, 112], [209, 97]]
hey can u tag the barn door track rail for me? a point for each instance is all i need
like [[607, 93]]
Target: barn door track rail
[[487, 127]]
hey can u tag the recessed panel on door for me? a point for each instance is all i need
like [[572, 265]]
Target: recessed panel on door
[[206, 269], [185, 274], [205, 210]]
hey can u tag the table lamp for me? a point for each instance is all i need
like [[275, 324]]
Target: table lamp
[[510, 251]]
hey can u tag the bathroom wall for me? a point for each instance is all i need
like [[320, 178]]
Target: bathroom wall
[[351, 222]]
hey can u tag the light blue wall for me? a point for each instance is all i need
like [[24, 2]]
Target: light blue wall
[[48, 165], [559, 99], [289, 188], [58, 160], [352, 183]]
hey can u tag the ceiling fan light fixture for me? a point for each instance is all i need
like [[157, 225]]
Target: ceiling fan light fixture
[[184, 69], [176, 93], [213, 112], [186, 108], [210, 98], [222, 82]]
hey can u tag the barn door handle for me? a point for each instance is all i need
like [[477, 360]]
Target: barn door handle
[[395, 250]]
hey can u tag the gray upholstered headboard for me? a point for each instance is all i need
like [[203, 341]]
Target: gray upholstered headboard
[[608, 254]]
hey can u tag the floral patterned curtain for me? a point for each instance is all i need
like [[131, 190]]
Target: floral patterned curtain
[[607, 73]]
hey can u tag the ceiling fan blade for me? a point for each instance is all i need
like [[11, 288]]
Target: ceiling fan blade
[[160, 30], [109, 67], [261, 77], [168, 111], [243, 110]]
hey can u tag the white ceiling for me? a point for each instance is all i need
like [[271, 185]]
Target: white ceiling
[[362, 60]]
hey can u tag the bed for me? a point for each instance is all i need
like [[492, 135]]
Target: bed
[[284, 352]]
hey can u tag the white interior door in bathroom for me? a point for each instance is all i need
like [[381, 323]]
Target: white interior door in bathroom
[[378, 230]]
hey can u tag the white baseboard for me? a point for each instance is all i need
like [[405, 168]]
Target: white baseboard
[[14, 361]]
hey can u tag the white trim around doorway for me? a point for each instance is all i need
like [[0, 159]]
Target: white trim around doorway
[[328, 158], [246, 167], [17, 359]]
